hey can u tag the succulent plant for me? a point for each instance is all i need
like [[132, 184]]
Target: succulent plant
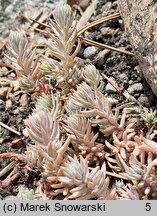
[[145, 145], [94, 105], [92, 76], [33, 158], [83, 137], [79, 143], [24, 59], [149, 116], [86, 184], [128, 192], [25, 194], [124, 143], [44, 131], [61, 45], [142, 176], [44, 102]]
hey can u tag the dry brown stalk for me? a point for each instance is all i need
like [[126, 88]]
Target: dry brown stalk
[[104, 46]]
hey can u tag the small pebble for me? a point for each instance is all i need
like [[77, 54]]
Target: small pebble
[[143, 100], [8, 104], [146, 101], [16, 85], [16, 112], [107, 6], [23, 100], [3, 71], [4, 82], [12, 75], [25, 132], [101, 58], [17, 143], [109, 88], [108, 31], [135, 88], [9, 9], [90, 52], [123, 77], [4, 91], [131, 82]]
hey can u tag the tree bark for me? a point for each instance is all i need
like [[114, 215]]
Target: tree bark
[[140, 21]]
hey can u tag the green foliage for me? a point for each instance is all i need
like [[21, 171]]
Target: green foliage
[[149, 116], [44, 102]]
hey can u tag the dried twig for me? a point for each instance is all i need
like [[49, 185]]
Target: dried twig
[[119, 90], [122, 91], [87, 14], [96, 22], [9, 128], [8, 167], [104, 46], [84, 28]]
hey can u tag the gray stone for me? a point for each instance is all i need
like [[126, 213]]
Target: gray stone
[[142, 35], [123, 77], [90, 52], [146, 101], [107, 6], [4, 91], [25, 132], [101, 58], [143, 100], [135, 88], [130, 82], [109, 88], [108, 31], [9, 9]]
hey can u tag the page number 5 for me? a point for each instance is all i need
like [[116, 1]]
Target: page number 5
[[148, 206]]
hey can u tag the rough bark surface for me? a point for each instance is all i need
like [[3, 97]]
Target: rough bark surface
[[140, 21]]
